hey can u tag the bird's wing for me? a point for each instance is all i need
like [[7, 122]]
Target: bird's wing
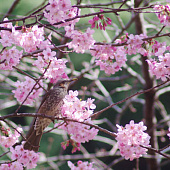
[[43, 100]]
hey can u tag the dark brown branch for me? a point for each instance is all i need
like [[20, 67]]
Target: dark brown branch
[[137, 93], [11, 9], [156, 151], [33, 88]]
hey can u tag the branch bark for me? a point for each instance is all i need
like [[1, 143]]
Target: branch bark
[[149, 96]]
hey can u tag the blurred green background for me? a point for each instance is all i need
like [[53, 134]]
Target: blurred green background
[[50, 144]]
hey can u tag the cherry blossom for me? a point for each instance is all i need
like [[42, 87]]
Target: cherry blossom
[[99, 21], [129, 139], [56, 67], [160, 68], [79, 110], [24, 88], [60, 10], [25, 157], [110, 59], [9, 58], [81, 165], [9, 139], [80, 41], [163, 12]]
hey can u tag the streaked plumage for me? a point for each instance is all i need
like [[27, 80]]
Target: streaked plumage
[[51, 106]]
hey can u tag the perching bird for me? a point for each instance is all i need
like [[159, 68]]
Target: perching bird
[[51, 106]]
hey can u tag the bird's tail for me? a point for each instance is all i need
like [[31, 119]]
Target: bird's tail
[[32, 139]]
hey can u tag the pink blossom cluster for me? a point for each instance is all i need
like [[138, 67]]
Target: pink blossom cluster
[[9, 139], [99, 21], [28, 38], [84, 132], [75, 145], [135, 43], [130, 138], [109, 58], [24, 158], [24, 88], [75, 109], [81, 165], [159, 48], [56, 68], [9, 58], [163, 13], [7, 38], [160, 68], [60, 10], [80, 41]]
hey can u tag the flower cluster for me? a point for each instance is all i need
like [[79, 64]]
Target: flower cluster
[[84, 132], [130, 138], [99, 21], [28, 38], [163, 13], [110, 59], [24, 88], [135, 43], [8, 138], [56, 68], [75, 109], [60, 10], [24, 158], [7, 38], [80, 41], [10, 58], [81, 165], [160, 68]]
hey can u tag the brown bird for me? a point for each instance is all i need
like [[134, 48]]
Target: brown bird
[[51, 106]]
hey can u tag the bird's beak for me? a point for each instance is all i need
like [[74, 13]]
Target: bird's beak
[[74, 79]]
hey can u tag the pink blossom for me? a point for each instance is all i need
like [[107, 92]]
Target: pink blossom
[[163, 13], [130, 138], [30, 39], [81, 41], [81, 165], [24, 88], [56, 67], [79, 110], [10, 58], [11, 138], [110, 59], [24, 157], [48, 54], [61, 10], [160, 68], [99, 21]]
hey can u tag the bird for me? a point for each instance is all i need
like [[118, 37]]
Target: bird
[[51, 106]]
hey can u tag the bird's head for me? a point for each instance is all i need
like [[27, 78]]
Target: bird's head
[[64, 83]]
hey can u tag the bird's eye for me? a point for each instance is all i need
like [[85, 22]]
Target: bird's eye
[[61, 84]]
